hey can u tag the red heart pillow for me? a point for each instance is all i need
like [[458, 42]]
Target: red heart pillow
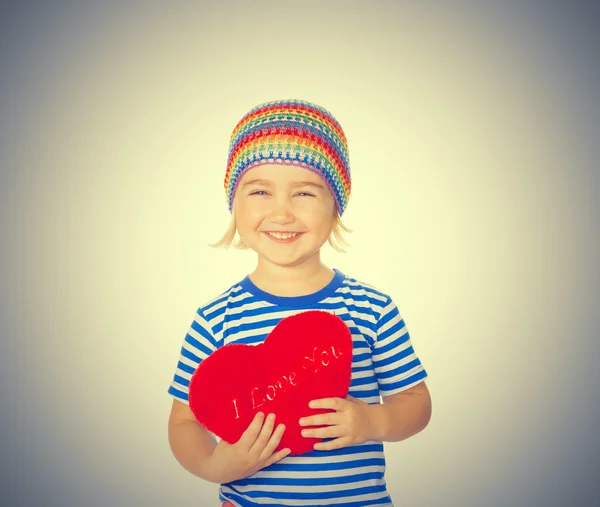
[[307, 356]]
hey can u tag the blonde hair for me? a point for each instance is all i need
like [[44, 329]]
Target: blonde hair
[[336, 239]]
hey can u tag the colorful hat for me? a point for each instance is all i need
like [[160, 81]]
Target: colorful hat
[[290, 132]]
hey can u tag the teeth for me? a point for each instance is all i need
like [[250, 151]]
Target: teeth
[[281, 235]]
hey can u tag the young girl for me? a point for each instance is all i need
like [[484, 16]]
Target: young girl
[[287, 185]]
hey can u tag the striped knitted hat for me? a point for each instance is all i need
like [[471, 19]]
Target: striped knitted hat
[[290, 132]]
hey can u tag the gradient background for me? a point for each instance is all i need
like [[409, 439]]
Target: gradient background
[[473, 133]]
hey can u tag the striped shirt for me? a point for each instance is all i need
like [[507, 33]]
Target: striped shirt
[[384, 363]]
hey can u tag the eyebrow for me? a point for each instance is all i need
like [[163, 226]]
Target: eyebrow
[[268, 183]]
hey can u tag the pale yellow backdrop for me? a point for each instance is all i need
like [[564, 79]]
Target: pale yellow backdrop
[[470, 134]]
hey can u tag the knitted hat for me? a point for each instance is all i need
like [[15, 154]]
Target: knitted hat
[[290, 132]]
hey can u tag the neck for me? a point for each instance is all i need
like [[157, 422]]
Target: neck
[[306, 278]]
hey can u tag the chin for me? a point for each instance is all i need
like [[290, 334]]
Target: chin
[[283, 261]]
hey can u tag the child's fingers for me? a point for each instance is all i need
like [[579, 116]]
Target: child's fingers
[[264, 435], [252, 431], [324, 432], [278, 456], [331, 445], [273, 442]]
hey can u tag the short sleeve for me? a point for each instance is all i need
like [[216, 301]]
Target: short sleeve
[[396, 364], [198, 344]]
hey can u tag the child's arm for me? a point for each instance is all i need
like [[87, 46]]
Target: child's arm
[[402, 415], [190, 442], [198, 452]]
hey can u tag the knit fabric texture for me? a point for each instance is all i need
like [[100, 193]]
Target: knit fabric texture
[[290, 132]]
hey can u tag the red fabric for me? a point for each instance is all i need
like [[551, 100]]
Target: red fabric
[[307, 356]]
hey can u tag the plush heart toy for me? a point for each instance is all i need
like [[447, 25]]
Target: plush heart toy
[[307, 356]]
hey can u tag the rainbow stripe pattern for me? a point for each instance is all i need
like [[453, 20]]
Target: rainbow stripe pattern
[[290, 132]]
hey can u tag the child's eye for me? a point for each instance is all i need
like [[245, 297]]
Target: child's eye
[[259, 192], [305, 193]]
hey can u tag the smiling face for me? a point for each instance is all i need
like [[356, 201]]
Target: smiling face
[[284, 213]]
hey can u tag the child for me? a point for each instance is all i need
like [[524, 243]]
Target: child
[[287, 184]]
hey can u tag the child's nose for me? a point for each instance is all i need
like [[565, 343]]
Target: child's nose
[[282, 210]]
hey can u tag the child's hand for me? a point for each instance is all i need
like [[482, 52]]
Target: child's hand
[[352, 423], [252, 452]]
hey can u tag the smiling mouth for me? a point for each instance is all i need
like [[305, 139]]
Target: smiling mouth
[[283, 235]]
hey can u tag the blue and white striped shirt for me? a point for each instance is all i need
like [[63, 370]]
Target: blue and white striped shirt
[[384, 363]]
